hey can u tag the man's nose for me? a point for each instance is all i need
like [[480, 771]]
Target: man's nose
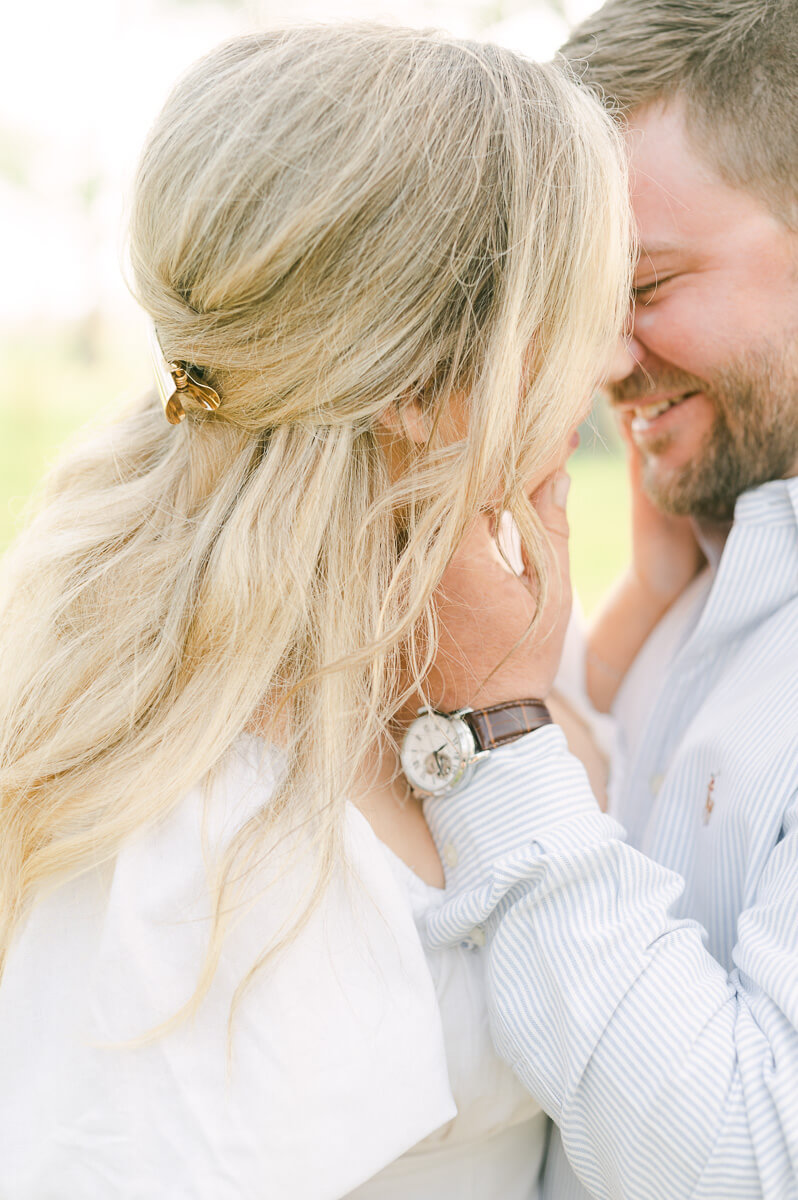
[[626, 357]]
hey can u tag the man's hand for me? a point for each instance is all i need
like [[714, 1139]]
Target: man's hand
[[485, 654]]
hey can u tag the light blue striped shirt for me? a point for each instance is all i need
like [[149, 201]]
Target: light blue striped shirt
[[645, 989]]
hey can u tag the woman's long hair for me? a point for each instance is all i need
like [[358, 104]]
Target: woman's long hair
[[326, 222]]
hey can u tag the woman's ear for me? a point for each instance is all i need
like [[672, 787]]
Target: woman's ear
[[410, 419], [406, 418]]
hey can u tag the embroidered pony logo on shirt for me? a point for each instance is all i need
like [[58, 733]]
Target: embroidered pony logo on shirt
[[710, 801]]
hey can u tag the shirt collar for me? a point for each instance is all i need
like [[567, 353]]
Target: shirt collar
[[772, 503], [756, 574]]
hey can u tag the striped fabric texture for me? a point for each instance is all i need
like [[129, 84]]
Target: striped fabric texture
[[643, 965]]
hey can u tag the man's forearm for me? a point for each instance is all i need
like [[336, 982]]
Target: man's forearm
[[654, 1062], [623, 624]]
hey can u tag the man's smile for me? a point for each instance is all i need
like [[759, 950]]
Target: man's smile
[[649, 416]]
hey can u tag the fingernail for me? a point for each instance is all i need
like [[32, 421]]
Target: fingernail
[[559, 492]]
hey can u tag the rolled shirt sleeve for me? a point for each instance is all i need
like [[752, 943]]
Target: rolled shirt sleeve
[[668, 1076]]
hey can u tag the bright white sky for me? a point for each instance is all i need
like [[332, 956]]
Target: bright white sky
[[80, 84]]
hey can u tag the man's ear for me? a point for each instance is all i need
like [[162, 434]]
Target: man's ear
[[406, 418]]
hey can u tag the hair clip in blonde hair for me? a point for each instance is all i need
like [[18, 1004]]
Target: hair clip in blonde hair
[[175, 384]]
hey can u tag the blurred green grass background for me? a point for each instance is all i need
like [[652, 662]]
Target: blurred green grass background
[[54, 381]]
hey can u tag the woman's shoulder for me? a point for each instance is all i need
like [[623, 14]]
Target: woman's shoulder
[[163, 874], [338, 1061], [160, 890]]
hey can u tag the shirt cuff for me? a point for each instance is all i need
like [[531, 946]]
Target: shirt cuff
[[532, 792]]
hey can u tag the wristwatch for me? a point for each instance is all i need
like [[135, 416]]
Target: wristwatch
[[441, 750]]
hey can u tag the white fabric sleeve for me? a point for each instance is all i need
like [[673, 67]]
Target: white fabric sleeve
[[338, 1062]]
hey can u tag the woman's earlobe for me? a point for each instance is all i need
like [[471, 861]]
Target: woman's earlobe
[[406, 418]]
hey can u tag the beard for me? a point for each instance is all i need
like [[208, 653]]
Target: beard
[[753, 438]]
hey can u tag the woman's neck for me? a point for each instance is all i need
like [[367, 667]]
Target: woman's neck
[[384, 798]]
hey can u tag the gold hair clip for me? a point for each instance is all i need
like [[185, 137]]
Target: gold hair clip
[[175, 383]]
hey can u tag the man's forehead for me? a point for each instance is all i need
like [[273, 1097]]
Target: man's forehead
[[680, 203], [671, 187], [658, 140]]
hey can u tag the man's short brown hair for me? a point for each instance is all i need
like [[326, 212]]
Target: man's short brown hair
[[733, 62]]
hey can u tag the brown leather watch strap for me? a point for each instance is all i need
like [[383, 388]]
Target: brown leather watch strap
[[503, 723]]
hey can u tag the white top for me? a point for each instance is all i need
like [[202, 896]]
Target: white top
[[357, 1057]]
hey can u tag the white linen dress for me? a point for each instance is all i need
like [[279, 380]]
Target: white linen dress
[[362, 1065]]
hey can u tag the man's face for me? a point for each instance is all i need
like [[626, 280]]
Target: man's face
[[709, 387]]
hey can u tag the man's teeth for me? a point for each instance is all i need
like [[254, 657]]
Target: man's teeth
[[655, 410], [645, 414]]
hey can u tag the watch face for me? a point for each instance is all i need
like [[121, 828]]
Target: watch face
[[436, 752]]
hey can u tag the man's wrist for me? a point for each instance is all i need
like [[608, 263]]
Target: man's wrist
[[519, 795]]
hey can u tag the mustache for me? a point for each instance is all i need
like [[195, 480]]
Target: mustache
[[642, 384]]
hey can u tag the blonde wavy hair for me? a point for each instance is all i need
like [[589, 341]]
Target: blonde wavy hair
[[327, 221]]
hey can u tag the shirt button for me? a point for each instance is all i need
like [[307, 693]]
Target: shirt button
[[478, 936], [655, 783], [450, 855]]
